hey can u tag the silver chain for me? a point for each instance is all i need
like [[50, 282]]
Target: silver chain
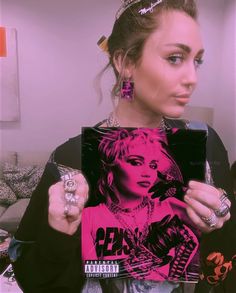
[[118, 211], [112, 121]]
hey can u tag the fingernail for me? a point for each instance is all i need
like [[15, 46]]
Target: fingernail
[[192, 183], [186, 198]]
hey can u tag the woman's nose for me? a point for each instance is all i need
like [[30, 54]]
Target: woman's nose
[[190, 76], [146, 172], [145, 175]]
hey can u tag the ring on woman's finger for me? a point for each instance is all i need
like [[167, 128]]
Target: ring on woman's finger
[[211, 221], [69, 175], [70, 185], [224, 208], [71, 198]]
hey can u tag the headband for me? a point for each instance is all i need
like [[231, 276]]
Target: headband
[[102, 43], [128, 3]]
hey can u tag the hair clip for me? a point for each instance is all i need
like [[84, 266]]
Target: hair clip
[[149, 9], [103, 44]]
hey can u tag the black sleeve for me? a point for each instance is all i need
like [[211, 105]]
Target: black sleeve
[[51, 264], [47, 260], [218, 159], [221, 241]]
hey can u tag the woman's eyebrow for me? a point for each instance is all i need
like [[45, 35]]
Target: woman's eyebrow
[[135, 157], [184, 47], [155, 160]]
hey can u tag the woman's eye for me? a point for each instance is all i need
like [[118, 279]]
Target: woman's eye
[[198, 62], [175, 59], [153, 166], [134, 162]]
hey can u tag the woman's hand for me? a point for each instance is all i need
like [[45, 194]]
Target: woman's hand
[[202, 200], [67, 221]]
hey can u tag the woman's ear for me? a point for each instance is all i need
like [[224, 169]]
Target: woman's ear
[[122, 64], [110, 178]]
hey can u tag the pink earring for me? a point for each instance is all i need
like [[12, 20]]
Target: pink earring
[[127, 90]]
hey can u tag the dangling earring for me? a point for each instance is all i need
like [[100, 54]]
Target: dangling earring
[[127, 90]]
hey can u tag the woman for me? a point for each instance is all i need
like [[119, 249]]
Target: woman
[[128, 226], [155, 49]]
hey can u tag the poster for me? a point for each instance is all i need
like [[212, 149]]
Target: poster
[[135, 224]]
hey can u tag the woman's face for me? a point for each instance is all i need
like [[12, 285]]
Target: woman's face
[[166, 75], [136, 172]]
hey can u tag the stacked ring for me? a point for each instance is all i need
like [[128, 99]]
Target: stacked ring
[[71, 199], [211, 221], [224, 208], [70, 186]]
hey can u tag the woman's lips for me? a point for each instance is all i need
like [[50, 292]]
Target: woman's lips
[[183, 99], [144, 183]]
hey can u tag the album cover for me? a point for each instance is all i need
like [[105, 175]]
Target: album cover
[[135, 224]]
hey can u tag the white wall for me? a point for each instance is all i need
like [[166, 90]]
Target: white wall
[[59, 58], [218, 75], [58, 61], [226, 106]]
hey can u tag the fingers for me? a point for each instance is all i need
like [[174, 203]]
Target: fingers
[[197, 212], [202, 202], [58, 204], [206, 194], [197, 220], [66, 202], [55, 197], [198, 207]]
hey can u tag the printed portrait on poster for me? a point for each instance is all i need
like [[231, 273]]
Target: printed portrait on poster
[[136, 224]]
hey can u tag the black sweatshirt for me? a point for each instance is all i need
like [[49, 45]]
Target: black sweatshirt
[[46, 260]]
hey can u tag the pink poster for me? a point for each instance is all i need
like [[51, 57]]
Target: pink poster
[[135, 224]]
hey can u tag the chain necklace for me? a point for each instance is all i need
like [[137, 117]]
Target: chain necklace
[[140, 260], [112, 121], [118, 211]]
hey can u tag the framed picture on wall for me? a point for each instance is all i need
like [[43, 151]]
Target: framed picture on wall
[[9, 82]]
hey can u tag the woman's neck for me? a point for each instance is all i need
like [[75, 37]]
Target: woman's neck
[[126, 202], [128, 115]]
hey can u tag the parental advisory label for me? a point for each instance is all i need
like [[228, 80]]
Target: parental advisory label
[[101, 269]]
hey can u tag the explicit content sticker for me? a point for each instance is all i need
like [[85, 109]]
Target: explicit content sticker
[[101, 269]]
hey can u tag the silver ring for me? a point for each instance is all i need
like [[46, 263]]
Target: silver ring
[[71, 199], [67, 209], [69, 175], [224, 208], [211, 221], [70, 185]]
